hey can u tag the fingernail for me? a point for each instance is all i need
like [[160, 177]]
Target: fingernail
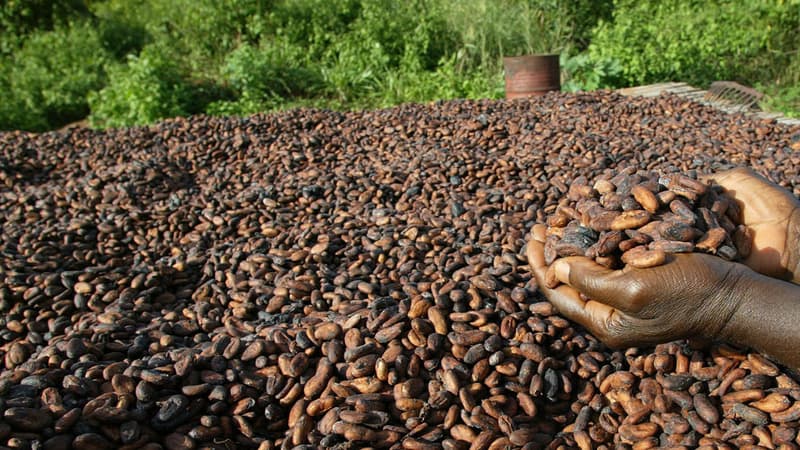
[[561, 268]]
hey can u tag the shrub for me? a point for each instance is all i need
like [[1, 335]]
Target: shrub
[[14, 114], [582, 73], [270, 70], [584, 15], [698, 42], [147, 88], [196, 34], [49, 77], [121, 38], [784, 98], [313, 25], [18, 18], [263, 77]]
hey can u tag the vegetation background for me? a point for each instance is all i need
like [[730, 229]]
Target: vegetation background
[[126, 62]]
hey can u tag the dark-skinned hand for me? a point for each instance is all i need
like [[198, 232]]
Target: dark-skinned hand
[[693, 295], [773, 214]]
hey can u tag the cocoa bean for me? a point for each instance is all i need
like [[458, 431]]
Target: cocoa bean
[[314, 278], [642, 257]]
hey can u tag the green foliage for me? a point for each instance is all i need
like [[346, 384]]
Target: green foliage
[[121, 38], [266, 71], [368, 53], [582, 73], [141, 61], [699, 41], [196, 34], [14, 113], [585, 14], [313, 25], [782, 98], [19, 18], [148, 88], [260, 77], [448, 81], [784, 93], [488, 29], [48, 78]]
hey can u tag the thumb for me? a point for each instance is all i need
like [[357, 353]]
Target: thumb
[[593, 280]]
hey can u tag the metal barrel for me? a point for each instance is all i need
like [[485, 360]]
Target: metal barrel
[[531, 75]]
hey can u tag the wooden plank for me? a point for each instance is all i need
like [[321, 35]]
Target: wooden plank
[[650, 89], [696, 96], [681, 89], [702, 96], [694, 91], [768, 115]]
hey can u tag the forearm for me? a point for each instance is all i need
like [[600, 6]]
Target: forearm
[[768, 320]]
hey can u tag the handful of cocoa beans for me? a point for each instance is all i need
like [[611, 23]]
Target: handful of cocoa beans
[[636, 219]]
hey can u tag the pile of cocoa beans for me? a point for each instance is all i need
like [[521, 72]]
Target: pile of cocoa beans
[[321, 279], [637, 219]]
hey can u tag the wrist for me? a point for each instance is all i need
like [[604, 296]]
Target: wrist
[[731, 295], [740, 302], [764, 317]]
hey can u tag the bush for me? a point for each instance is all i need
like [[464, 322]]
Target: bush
[[582, 73], [699, 42], [147, 88], [18, 18], [14, 114], [271, 70], [196, 34], [121, 38], [48, 78], [783, 94], [313, 25], [262, 78], [449, 81], [585, 15]]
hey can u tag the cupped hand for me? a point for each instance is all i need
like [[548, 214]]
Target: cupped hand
[[691, 296], [773, 215]]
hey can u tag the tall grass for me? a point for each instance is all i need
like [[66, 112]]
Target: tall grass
[[488, 30]]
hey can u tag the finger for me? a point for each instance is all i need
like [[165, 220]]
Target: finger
[[535, 252], [758, 198], [592, 315], [539, 232], [595, 281], [738, 184], [730, 178]]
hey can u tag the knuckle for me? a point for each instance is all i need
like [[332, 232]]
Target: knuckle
[[615, 339], [741, 170], [617, 335], [635, 294]]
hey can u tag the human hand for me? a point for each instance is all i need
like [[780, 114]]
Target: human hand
[[773, 216], [692, 295]]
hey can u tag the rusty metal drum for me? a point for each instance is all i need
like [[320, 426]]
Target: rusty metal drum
[[531, 75]]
